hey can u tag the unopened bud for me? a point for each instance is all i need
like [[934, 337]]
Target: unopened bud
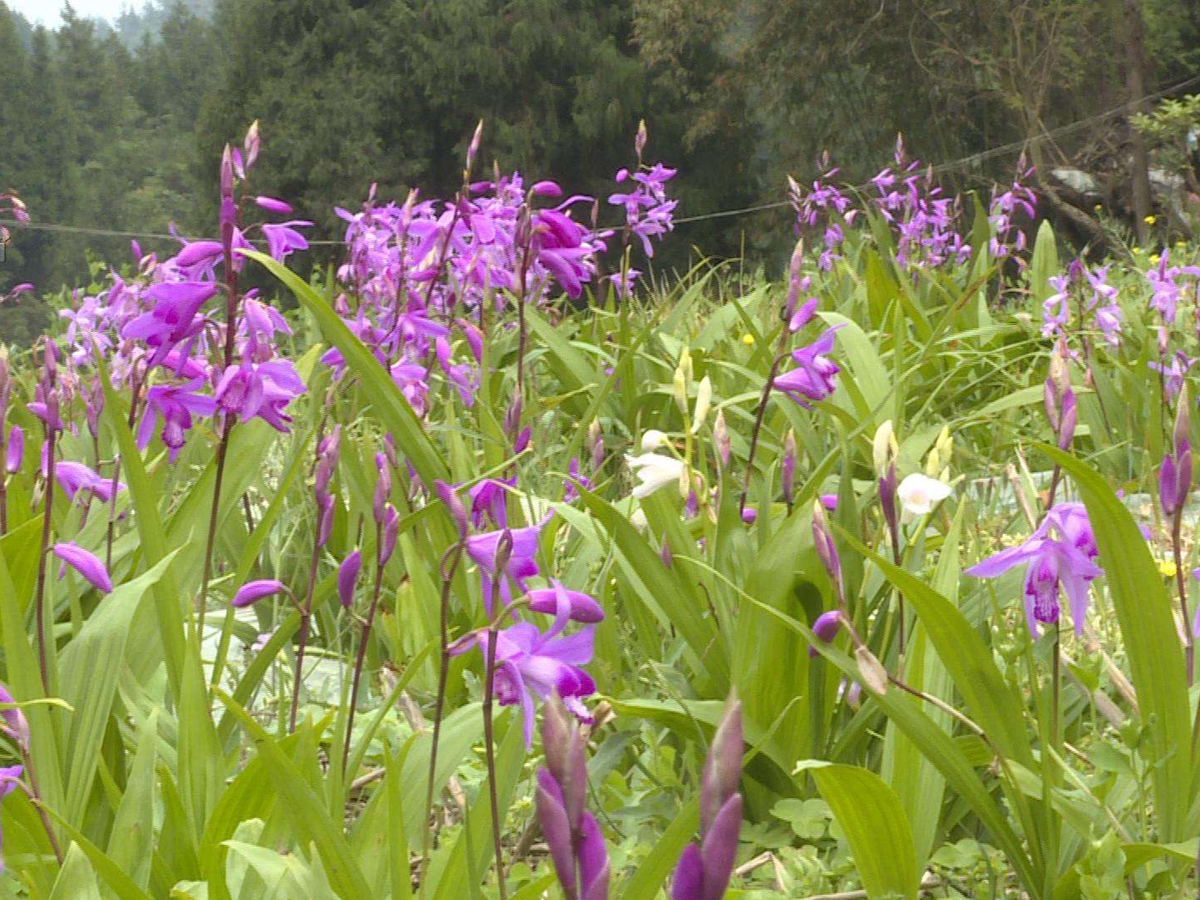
[[391, 531], [639, 142], [454, 506], [721, 440], [723, 768], [787, 467], [871, 670], [383, 487], [1183, 420], [826, 548], [884, 448], [704, 394], [596, 442]]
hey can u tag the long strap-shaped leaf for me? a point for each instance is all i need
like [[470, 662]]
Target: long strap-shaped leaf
[[1151, 640]]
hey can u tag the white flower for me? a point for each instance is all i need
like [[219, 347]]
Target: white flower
[[703, 403], [652, 440], [654, 470], [919, 494]]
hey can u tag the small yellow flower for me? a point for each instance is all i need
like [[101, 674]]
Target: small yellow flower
[[1098, 207], [1181, 244], [1166, 568], [748, 340], [1138, 250], [1154, 259], [1150, 220]]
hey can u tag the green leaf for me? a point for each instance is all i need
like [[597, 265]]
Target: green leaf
[[308, 815], [1156, 661], [656, 868], [870, 815]]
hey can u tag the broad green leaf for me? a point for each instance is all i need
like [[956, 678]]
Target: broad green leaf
[[870, 814]]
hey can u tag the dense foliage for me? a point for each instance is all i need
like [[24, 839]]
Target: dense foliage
[[496, 569]]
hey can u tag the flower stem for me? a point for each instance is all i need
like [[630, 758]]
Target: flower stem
[[759, 415], [305, 625], [116, 475], [40, 596], [452, 558], [490, 749], [35, 795], [1189, 645], [362, 647]]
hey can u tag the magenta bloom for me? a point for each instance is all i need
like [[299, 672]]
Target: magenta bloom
[[174, 406], [1064, 560], [826, 627], [530, 663], [173, 318], [578, 849], [521, 563], [76, 478], [815, 375], [86, 564], [253, 591], [283, 239], [263, 390]]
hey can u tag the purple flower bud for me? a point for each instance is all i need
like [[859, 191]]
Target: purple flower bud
[[383, 487], [829, 501], [14, 450], [391, 530], [1183, 420], [252, 144], [15, 723], [325, 509], [270, 204], [596, 439], [667, 557], [86, 564], [253, 591], [723, 768], [454, 506], [721, 440], [547, 189], [227, 173], [1166, 486], [347, 577], [573, 605], [887, 499], [473, 147], [1067, 421], [327, 458], [787, 468], [703, 870], [826, 548], [826, 628], [521, 444]]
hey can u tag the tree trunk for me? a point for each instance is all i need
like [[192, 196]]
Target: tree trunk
[[1135, 79]]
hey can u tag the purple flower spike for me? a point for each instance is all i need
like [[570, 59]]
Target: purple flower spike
[[86, 564], [572, 834], [704, 870], [347, 577], [253, 591]]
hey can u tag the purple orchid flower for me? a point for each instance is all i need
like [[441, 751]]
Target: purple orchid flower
[[521, 562], [76, 479], [14, 450], [173, 406], [1059, 554], [815, 376], [530, 663], [173, 318]]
